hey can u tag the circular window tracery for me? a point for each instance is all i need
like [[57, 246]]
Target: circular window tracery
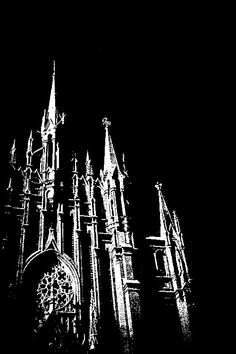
[[55, 289]]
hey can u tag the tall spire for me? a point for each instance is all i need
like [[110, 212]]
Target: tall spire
[[166, 220], [162, 209], [176, 260], [50, 115], [52, 100], [110, 159]]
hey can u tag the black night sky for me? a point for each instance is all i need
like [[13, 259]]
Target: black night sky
[[156, 76]]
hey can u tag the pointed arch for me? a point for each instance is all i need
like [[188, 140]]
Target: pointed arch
[[51, 298], [54, 256]]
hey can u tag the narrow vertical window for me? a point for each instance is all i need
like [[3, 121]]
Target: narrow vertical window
[[49, 150]]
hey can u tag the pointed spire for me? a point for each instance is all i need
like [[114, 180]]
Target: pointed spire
[[52, 100], [49, 115], [163, 226], [88, 165], [163, 203], [29, 151], [13, 153], [110, 159], [166, 221], [169, 224]]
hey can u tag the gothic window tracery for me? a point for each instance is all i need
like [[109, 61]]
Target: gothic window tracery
[[55, 289]]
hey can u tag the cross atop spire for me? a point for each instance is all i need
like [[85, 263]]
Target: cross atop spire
[[110, 159], [158, 186], [106, 122]]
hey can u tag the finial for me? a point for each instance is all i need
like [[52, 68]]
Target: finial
[[125, 171], [43, 121], [106, 122], [13, 153], [74, 161], [9, 188], [89, 168], [29, 149], [30, 140], [87, 157], [158, 186], [123, 158]]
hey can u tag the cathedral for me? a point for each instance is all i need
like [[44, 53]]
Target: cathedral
[[75, 280]]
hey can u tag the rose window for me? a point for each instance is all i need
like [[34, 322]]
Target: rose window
[[55, 289]]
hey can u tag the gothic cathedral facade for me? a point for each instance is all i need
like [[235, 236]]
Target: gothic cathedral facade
[[72, 278]]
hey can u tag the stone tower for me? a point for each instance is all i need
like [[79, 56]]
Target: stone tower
[[72, 284], [168, 297]]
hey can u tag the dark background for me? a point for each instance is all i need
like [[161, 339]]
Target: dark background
[[158, 76]]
